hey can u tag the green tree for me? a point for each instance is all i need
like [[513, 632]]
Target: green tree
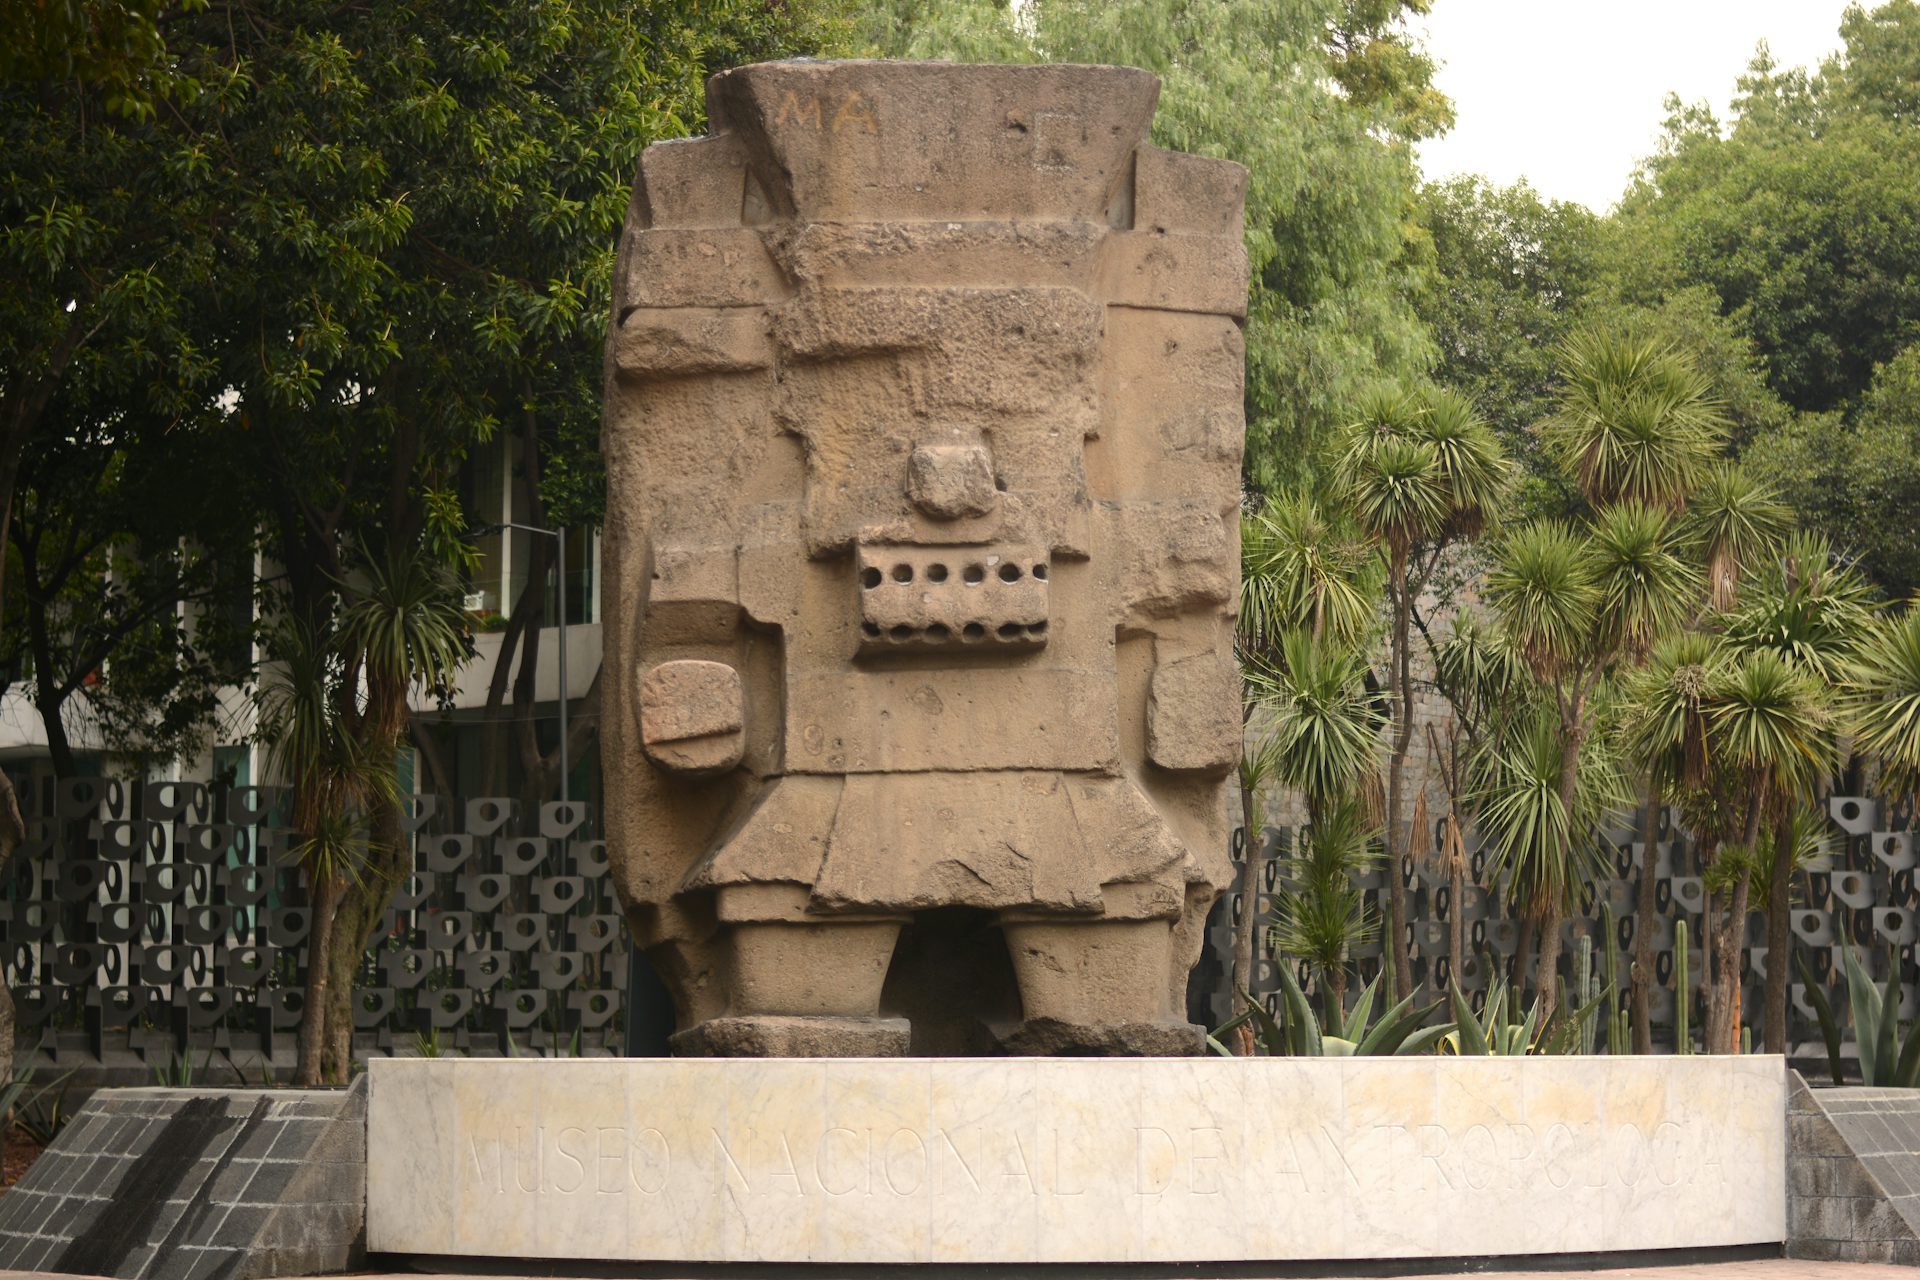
[[1803, 216], [1420, 472], [1509, 274], [1340, 88]]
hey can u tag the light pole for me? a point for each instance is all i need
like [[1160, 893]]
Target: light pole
[[559, 537]]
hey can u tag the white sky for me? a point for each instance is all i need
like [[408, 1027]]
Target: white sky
[[1567, 93]]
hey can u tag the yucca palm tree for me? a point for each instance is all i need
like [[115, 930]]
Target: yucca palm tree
[[1324, 724], [334, 784], [1881, 703], [1486, 681], [1637, 429], [345, 713], [1541, 830], [1321, 915], [1734, 521], [1418, 469], [1635, 421], [1301, 573], [1812, 610], [1769, 724]]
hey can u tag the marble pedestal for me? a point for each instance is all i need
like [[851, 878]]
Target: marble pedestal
[[1073, 1160]]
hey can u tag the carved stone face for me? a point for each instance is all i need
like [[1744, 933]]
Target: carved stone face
[[923, 439]]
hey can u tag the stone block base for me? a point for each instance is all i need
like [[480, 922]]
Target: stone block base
[[1853, 1174], [785, 1037], [184, 1184], [1051, 1038], [1090, 1160]]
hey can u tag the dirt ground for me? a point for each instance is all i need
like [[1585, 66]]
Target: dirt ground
[[22, 1151]]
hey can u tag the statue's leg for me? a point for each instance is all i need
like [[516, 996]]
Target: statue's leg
[[1096, 987], [798, 985]]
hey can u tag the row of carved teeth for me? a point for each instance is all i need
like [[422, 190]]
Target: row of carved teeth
[[940, 633], [972, 575]]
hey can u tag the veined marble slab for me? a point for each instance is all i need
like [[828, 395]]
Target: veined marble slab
[[1072, 1160]]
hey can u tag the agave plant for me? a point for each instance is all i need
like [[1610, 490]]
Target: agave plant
[[1886, 1058], [1494, 1032], [1400, 1030]]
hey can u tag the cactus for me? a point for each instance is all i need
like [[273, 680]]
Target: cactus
[[1626, 1013], [1617, 1041], [1682, 994], [1583, 970]]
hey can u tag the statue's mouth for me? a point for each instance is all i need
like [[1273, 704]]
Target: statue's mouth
[[918, 598]]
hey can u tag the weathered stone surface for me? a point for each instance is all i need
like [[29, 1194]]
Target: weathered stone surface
[[1853, 1174], [152, 1184], [923, 426], [793, 1037], [1090, 1160]]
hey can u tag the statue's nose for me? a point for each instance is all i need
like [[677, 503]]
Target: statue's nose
[[950, 481]]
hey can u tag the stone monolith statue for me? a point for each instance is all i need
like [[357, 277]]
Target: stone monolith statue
[[923, 433]]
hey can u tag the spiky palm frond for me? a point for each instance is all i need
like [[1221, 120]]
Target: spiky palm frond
[[333, 775], [403, 618], [1733, 520], [1395, 488], [1635, 422], [1299, 569], [1545, 593], [1807, 606], [1663, 726], [1546, 851], [1480, 669], [1646, 588], [1769, 719], [1469, 457], [1324, 724], [1321, 915], [1881, 703]]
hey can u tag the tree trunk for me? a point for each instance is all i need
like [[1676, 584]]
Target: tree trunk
[[1457, 920], [1709, 920], [314, 1013], [1242, 976], [1726, 1023], [1547, 989], [1640, 980], [1779, 932], [13, 833], [1396, 784], [362, 904], [1522, 956]]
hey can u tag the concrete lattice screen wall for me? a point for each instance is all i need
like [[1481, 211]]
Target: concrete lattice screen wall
[[146, 924]]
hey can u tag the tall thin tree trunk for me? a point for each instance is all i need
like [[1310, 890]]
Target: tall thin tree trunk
[[1779, 932], [1457, 919], [1546, 985], [362, 904], [1523, 954], [1640, 980], [313, 1014], [1396, 783], [1242, 976], [1708, 987]]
